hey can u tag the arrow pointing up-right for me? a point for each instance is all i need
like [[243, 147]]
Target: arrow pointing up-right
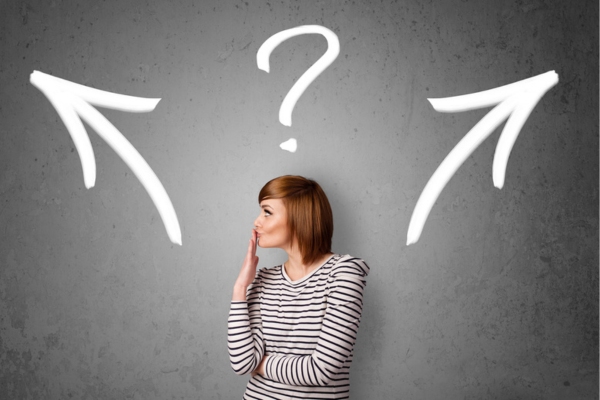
[[515, 102]]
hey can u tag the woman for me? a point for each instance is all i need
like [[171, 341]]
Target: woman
[[293, 326]]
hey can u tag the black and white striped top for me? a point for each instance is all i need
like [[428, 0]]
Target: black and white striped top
[[307, 328]]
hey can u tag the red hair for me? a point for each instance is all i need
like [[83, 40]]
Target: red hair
[[310, 219]]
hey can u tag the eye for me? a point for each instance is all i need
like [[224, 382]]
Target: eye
[[267, 213]]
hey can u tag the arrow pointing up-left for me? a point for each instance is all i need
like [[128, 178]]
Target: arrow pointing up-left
[[73, 102]]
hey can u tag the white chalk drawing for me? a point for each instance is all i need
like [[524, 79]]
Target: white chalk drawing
[[265, 50], [73, 103], [290, 145], [515, 101]]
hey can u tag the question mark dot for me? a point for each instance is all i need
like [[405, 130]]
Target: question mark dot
[[290, 145]]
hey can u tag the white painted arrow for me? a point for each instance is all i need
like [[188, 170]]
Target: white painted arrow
[[73, 104], [265, 50], [515, 102]]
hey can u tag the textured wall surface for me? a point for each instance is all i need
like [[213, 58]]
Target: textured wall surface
[[497, 300]]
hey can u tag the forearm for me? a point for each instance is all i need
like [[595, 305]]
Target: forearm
[[244, 327], [296, 370], [239, 292], [331, 357], [244, 342]]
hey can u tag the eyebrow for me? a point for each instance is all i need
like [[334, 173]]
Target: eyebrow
[[265, 206]]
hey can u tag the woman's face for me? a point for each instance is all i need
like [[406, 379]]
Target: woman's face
[[271, 225]]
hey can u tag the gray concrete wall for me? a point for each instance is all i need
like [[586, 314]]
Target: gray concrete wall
[[497, 300]]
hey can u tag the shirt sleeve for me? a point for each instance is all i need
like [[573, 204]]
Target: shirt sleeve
[[244, 331], [338, 334]]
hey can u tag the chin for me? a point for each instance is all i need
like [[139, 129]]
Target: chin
[[266, 245]]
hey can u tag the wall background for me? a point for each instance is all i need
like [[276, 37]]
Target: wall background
[[497, 300]]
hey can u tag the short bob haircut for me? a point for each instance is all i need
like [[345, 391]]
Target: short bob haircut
[[310, 219]]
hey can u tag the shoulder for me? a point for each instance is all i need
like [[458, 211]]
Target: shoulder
[[266, 277], [349, 265], [270, 273]]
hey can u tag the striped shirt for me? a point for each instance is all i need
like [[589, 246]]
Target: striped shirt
[[307, 328]]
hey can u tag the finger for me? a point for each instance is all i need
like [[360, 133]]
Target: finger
[[251, 249]]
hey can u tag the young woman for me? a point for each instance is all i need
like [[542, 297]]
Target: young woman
[[293, 326]]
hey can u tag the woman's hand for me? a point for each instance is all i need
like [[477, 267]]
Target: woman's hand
[[248, 271], [260, 370]]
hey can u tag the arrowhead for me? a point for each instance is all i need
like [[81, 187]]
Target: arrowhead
[[61, 102]]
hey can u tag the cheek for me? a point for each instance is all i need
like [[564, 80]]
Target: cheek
[[284, 231]]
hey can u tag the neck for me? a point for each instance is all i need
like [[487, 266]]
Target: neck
[[294, 263], [295, 267]]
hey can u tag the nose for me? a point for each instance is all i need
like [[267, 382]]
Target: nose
[[257, 222]]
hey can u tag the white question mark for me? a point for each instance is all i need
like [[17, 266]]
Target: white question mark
[[262, 60]]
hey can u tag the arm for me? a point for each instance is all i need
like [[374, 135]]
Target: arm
[[338, 333], [244, 326], [244, 332]]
